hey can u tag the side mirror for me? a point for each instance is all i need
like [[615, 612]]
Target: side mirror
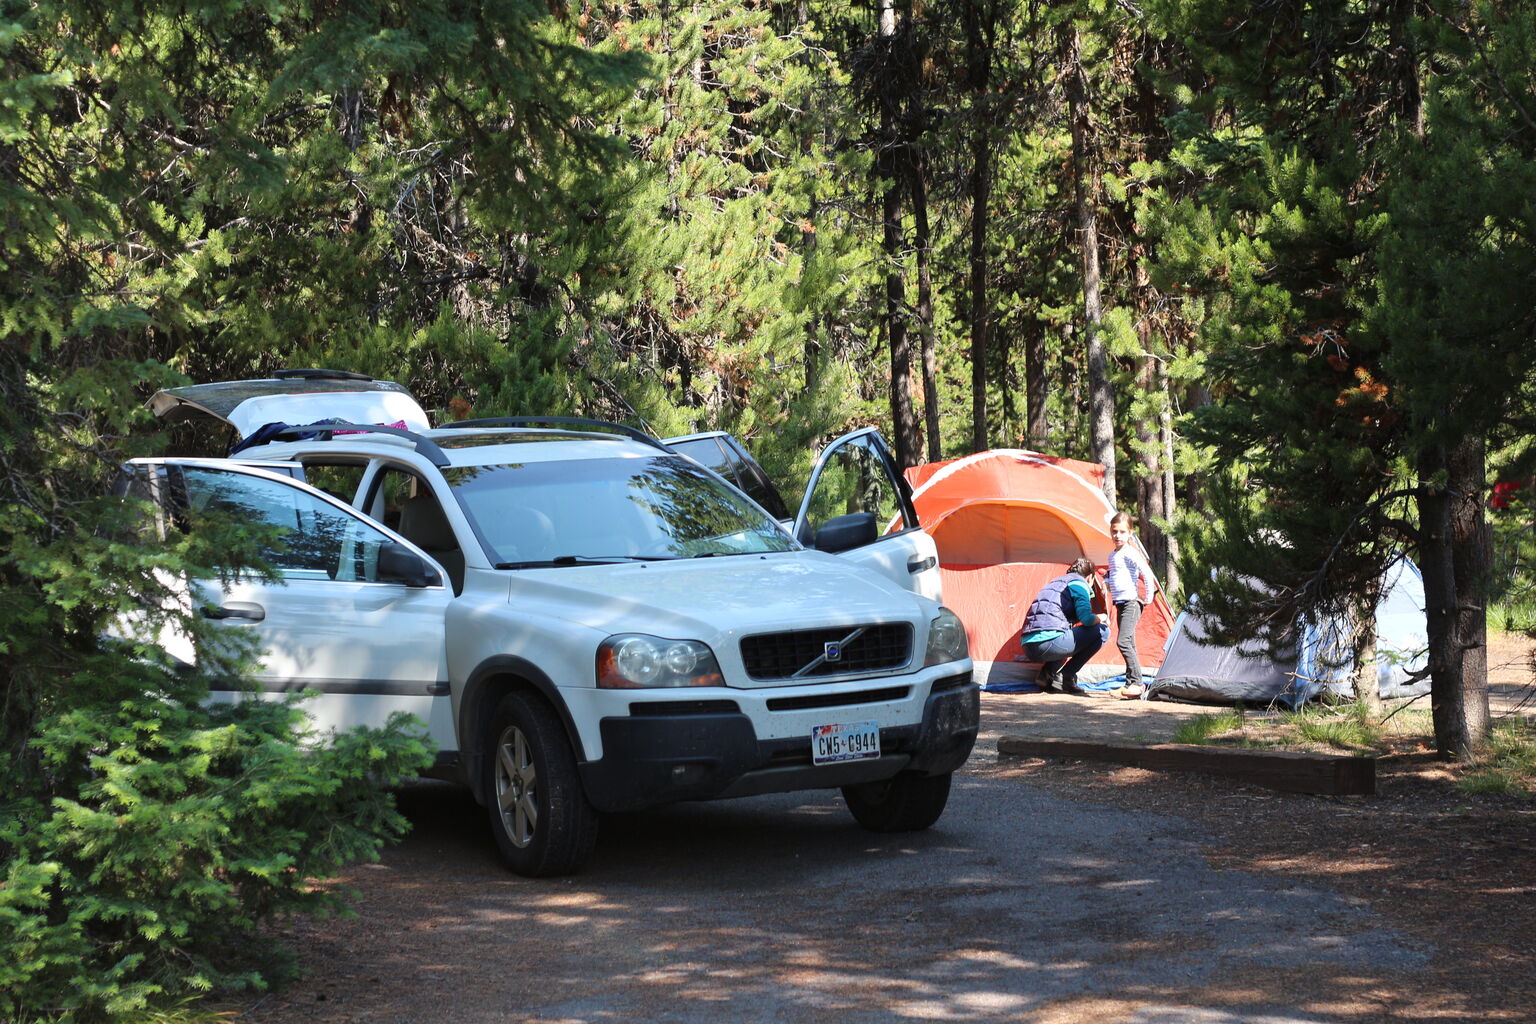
[[399, 564], [844, 533]]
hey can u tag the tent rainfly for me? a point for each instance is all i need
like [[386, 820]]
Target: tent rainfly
[[1008, 521], [1321, 659]]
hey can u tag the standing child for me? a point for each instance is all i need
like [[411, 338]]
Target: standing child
[[1130, 588]]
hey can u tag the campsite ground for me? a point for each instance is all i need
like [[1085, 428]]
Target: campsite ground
[[1030, 902], [1454, 869]]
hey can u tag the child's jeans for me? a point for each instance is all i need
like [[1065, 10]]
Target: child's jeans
[[1130, 614]]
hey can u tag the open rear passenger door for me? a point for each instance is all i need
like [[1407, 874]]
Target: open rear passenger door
[[354, 612], [857, 505]]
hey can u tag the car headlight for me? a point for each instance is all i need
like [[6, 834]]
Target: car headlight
[[631, 661], [946, 639]]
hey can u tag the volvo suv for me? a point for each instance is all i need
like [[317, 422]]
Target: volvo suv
[[585, 619]]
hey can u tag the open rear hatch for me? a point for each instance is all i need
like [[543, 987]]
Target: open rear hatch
[[295, 397]]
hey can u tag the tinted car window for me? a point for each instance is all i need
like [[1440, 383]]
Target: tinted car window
[[754, 481], [854, 479], [707, 452], [726, 457], [300, 535]]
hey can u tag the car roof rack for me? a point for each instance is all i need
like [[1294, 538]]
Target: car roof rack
[[556, 421], [425, 446]]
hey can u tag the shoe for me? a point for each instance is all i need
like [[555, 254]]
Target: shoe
[[1131, 692], [1046, 680], [1070, 686]]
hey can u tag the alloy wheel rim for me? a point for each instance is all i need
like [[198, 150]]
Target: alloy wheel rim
[[516, 787]]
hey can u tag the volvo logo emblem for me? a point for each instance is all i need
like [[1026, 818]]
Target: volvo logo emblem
[[832, 651]]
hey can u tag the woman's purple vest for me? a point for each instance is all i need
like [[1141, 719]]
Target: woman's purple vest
[[1053, 607]]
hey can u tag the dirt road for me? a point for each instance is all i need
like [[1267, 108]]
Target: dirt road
[[1025, 903]]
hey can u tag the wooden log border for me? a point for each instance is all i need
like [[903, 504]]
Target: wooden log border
[[1286, 770]]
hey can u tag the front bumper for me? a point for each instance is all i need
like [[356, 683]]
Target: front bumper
[[665, 752]]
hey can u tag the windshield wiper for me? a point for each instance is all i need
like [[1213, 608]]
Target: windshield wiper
[[583, 560]]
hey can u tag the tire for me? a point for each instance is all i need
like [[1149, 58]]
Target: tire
[[909, 802], [539, 815]]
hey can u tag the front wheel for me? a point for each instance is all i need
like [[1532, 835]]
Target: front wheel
[[909, 802], [541, 819]]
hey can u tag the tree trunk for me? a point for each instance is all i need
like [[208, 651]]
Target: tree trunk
[[1410, 95], [1037, 388], [1169, 567], [924, 243], [1366, 684], [1472, 560], [1101, 397], [890, 166], [978, 55], [1149, 446], [1453, 556], [907, 444]]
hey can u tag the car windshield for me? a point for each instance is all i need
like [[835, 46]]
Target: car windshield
[[569, 512]]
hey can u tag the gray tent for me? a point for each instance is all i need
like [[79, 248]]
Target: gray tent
[[1197, 671]]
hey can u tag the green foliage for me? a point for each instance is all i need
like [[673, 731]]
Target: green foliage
[[1201, 728], [1460, 238], [173, 831], [144, 836], [1347, 726], [1507, 764]]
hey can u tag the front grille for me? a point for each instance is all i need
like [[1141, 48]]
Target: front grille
[[803, 652]]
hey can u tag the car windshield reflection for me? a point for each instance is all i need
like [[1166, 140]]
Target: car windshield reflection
[[609, 510]]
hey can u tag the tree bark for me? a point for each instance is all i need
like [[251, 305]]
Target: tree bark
[[1152, 393], [907, 444], [1366, 682], [891, 168], [1101, 397], [1168, 569], [978, 68], [930, 361], [1454, 557], [1037, 388]]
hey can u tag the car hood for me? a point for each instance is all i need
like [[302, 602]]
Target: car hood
[[719, 600]]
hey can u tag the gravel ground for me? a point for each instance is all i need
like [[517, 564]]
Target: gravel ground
[[1053, 892], [1050, 892], [1021, 905]]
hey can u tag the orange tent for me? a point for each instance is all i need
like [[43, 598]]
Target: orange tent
[[1006, 522]]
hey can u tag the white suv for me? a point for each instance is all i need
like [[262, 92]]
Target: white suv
[[587, 620]]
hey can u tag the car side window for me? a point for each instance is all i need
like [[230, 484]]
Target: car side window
[[406, 504], [340, 480], [392, 489], [706, 452], [854, 479], [303, 536], [754, 481]]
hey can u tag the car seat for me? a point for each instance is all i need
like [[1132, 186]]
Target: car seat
[[423, 523]]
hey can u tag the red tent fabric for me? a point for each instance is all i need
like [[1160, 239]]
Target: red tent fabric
[[1008, 521]]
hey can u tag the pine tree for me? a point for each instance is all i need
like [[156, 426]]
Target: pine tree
[[1458, 263], [1352, 391]]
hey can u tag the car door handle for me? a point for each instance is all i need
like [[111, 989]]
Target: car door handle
[[236, 610], [922, 564]]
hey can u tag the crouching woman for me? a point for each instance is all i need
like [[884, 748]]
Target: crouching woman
[[1061, 629]]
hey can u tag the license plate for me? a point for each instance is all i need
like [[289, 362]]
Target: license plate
[[844, 741]]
